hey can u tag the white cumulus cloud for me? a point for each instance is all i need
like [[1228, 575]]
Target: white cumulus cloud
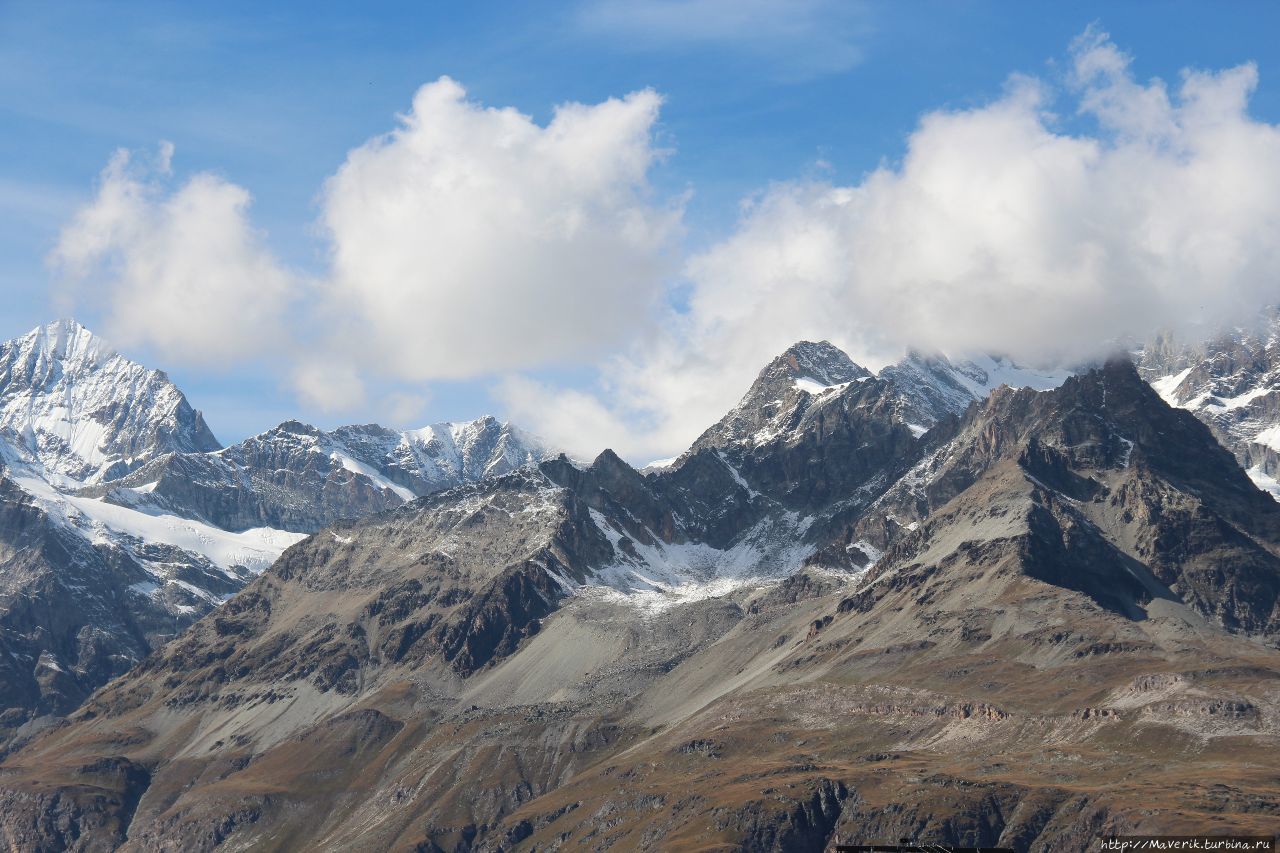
[[180, 269], [471, 240], [465, 242]]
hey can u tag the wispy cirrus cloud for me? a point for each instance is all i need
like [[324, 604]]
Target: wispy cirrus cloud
[[793, 39]]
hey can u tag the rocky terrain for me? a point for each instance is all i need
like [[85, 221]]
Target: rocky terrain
[[87, 589], [1025, 621]]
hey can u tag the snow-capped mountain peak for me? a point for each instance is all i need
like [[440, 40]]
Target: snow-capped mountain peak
[[1232, 383], [925, 387], [68, 344], [70, 401], [470, 450]]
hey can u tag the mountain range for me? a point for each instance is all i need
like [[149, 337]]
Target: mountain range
[[127, 520], [956, 601]]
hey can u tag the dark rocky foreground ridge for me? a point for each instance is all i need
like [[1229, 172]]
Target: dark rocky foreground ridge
[[1052, 616]]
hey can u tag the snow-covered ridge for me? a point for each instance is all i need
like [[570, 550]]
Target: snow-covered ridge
[[237, 555], [1167, 386], [659, 464], [930, 387], [462, 451], [178, 554], [657, 576], [413, 462], [403, 465], [813, 386]]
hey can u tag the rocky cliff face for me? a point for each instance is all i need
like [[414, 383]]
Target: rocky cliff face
[[1128, 477], [1232, 383], [1067, 585]]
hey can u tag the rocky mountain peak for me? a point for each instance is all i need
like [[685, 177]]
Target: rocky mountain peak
[[294, 427], [607, 459], [1102, 417], [822, 362], [782, 391]]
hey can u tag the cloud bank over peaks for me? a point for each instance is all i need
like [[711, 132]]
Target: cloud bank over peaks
[[999, 231], [472, 242]]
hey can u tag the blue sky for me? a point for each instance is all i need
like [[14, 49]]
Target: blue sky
[[272, 101]]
